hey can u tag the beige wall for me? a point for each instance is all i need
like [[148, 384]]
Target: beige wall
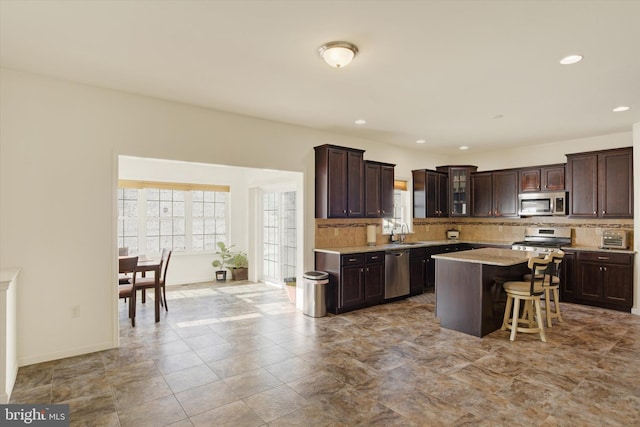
[[59, 148]]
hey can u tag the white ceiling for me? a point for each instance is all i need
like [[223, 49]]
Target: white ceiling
[[435, 70]]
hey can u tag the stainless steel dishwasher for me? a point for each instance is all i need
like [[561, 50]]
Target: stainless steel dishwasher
[[396, 273]]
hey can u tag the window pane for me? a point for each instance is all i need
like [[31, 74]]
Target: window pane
[[197, 225], [197, 210], [153, 193], [179, 243], [178, 226], [153, 209], [153, 227], [197, 243], [209, 209], [165, 209], [166, 227], [153, 244]]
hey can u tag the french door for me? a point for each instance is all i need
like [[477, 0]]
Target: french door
[[278, 235]]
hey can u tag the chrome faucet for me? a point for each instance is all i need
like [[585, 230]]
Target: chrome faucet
[[403, 236]]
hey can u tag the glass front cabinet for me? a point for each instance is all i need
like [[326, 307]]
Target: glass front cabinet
[[459, 187]]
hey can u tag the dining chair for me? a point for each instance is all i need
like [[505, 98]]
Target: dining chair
[[128, 265], [529, 292], [145, 283]]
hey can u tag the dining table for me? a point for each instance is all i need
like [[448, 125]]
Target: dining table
[[149, 264]]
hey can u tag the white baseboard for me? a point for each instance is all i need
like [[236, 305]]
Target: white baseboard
[[635, 311], [30, 360]]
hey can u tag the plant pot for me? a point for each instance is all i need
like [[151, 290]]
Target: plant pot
[[239, 273], [291, 293], [221, 275]]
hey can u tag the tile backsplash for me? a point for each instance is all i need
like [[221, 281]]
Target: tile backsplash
[[340, 233]]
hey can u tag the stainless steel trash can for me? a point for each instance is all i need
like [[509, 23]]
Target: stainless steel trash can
[[315, 283]]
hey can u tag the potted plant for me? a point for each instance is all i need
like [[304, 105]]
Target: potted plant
[[224, 252], [235, 261], [290, 283], [239, 265]]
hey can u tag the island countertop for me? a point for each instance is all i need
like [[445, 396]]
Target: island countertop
[[487, 256]]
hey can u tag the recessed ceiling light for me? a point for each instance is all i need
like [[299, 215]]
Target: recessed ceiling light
[[464, 147], [571, 59], [421, 141], [620, 109], [360, 122]]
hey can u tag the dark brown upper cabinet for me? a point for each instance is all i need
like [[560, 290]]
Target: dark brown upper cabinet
[[430, 194], [378, 183], [542, 178], [600, 184], [494, 194], [339, 182]]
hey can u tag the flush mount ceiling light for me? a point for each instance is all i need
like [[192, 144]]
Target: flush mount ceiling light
[[421, 141], [464, 147], [571, 59], [360, 122], [338, 54], [620, 109]]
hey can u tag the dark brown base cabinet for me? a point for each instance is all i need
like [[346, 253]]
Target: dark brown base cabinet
[[355, 280], [602, 279], [418, 270], [422, 268]]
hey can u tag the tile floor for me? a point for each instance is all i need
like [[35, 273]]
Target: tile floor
[[241, 355]]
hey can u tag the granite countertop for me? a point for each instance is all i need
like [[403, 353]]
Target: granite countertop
[[488, 256], [597, 249], [428, 243], [407, 245]]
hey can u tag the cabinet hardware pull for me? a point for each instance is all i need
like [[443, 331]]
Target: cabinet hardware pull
[[604, 212], [595, 213], [367, 269], [605, 258], [344, 211], [604, 268], [352, 259], [374, 257]]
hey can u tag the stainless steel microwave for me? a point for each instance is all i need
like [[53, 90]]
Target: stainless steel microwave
[[552, 203]]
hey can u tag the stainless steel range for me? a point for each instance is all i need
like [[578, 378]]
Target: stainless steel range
[[543, 240]]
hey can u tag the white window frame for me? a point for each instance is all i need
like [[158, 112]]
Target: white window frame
[[188, 219]]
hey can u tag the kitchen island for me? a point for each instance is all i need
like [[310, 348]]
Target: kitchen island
[[469, 293]]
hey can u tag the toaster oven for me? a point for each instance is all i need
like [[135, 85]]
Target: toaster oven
[[614, 239]]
